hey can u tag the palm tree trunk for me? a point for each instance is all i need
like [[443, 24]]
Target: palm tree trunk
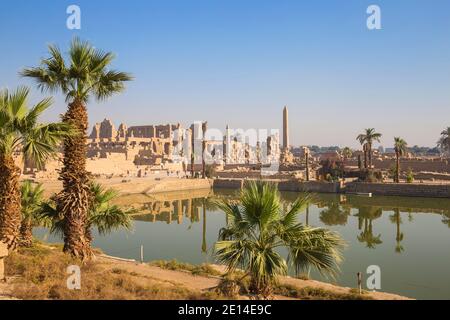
[[365, 158], [73, 201], [370, 154], [26, 234], [10, 203], [397, 172]]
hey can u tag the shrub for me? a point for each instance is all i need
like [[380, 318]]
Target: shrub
[[409, 176]]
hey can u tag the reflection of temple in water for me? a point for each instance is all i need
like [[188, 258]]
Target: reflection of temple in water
[[171, 211], [171, 207]]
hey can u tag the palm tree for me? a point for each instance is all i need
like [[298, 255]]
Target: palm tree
[[258, 227], [31, 201], [444, 141], [367, 139], [102, 215], [83, 75], [400, 147], [21, 133]]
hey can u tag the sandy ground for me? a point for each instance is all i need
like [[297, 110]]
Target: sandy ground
[[202, 283], [152, 275]]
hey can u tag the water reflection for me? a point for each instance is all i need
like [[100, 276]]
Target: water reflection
[[378, 230], [333, 210]]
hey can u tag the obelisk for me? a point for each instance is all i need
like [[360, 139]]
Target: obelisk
[[285, 129]]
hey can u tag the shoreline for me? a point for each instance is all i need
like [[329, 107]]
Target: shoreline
[[180, 278], [154, 186]]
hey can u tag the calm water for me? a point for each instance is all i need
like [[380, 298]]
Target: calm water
[[409, 238]]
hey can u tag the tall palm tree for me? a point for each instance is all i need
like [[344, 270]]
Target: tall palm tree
[[31, 201], [444, 141], [102, 215], [258, 226], [85, 74], [21, 133], [401, 148], [368, 138]]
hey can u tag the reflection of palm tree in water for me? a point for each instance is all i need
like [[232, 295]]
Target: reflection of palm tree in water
[[446, 218], [204, 245], [365, 217], [397, 219], [335, 214]]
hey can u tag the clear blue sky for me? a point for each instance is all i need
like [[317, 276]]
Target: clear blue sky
[[239, 62]]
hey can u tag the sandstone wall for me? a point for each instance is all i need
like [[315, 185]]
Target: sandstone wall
[[286, 185], [416, 165], [409, 190]]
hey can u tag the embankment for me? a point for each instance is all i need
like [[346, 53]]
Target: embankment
[[404, 189], [382, 189], [284, 185]]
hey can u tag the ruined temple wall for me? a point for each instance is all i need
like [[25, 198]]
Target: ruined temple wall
[[437, 165], [393, 189]]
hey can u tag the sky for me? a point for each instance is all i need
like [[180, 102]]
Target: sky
[[240, 62]]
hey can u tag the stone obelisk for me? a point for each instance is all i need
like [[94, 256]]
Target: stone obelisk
[[285, 129]]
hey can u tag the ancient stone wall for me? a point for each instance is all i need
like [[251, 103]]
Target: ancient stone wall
[[416, 165], [393, 189]]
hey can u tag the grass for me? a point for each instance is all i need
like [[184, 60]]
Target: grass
[[40, 274], [310, 293], [198, 270], [235, 284]]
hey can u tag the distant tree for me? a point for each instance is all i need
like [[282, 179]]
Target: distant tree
[[347, 153], [400, 147], [367, 139], [444, 141]]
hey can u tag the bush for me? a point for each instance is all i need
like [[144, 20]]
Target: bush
[[409, 176]]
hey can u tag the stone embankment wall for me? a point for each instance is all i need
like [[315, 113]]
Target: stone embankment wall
[[165, 185], [383, 189], [285, 185], [393, 189]]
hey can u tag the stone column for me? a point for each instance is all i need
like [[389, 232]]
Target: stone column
[[285, 129]]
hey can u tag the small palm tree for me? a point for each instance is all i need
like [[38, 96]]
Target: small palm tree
[[102, 215], [258, 227], [401, 148], [32, 199], [83, 75], [444, 141], [21, 133], [367, 139]]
